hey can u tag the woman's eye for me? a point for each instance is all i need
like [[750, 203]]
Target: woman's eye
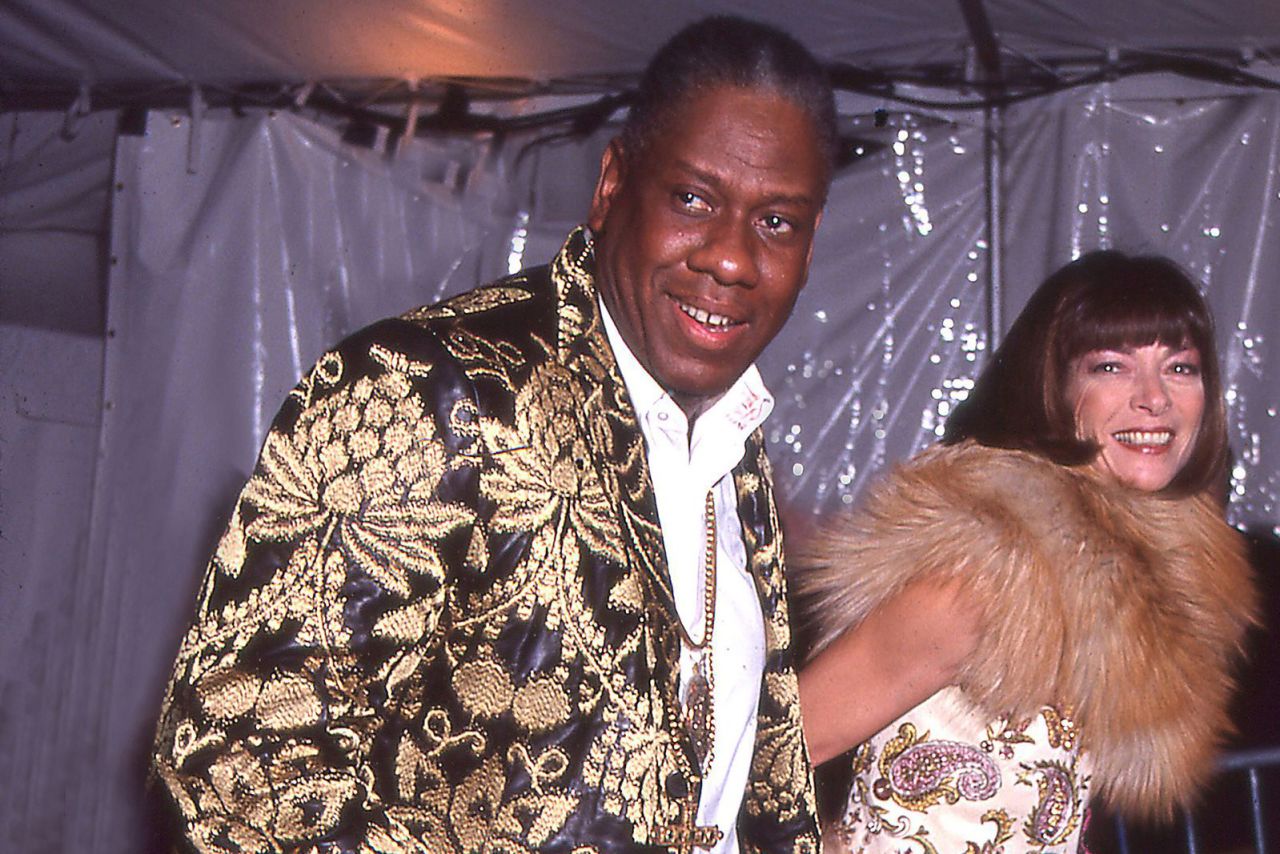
[[1105, 368], [1187, 369]]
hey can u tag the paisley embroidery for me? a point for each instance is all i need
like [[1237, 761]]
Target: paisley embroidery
[[976, 790], [1058, 809], [919, 773]]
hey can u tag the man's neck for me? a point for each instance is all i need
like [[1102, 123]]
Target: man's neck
[[692, 405]]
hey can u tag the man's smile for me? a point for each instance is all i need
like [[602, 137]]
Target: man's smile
[[706, 318]]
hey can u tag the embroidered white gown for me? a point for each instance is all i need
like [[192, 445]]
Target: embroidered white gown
[[944, 779]]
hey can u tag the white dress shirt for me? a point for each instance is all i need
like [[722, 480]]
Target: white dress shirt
[[683, 469]]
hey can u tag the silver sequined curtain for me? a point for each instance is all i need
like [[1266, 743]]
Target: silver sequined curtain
[[892, 329]]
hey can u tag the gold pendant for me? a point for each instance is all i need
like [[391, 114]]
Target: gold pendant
[[698, 713]]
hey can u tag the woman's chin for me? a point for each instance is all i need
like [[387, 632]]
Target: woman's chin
[[1141, 469]]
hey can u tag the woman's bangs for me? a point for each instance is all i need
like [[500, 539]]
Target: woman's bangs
[[1130, 323]]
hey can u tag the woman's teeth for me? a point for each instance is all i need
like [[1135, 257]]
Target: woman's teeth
[[1144, 437]]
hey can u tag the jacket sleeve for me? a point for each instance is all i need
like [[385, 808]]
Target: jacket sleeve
[[322, 599]]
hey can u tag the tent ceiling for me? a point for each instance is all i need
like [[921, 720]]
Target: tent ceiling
[[55, 46]]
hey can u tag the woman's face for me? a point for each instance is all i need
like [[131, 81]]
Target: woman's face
[[1143, 407]]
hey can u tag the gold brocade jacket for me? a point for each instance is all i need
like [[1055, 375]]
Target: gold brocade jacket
[[440, 617]]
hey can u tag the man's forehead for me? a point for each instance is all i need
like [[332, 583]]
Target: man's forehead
[[691, 105], [748, 133]]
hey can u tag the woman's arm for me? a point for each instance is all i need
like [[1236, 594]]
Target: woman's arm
[[908, 649]]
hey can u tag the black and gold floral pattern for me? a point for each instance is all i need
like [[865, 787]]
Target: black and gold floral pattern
[[440, 619]]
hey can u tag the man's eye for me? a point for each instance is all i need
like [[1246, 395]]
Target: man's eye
[[777, 224], [691, 200]]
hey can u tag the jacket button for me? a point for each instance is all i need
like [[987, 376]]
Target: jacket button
[[677, 787]]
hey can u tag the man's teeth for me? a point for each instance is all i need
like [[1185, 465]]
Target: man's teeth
[[1144, 437], [704, 317]]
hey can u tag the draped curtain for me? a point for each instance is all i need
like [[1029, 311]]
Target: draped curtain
[[242, 246]]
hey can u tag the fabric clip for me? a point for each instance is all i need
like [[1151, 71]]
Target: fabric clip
[[79, 108], [1113, 63], [410, 113], [303, 95], [198, 109]]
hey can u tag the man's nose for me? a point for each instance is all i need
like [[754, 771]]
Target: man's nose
[[727, 253], [1150, 394]]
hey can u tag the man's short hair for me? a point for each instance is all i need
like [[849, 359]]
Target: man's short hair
[[726, 50]]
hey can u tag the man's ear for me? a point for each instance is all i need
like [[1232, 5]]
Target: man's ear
[[612, 174]]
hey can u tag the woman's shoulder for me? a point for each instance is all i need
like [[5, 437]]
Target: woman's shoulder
[[977, 463], [971, 479]]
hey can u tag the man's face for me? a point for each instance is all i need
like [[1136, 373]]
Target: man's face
[[704, 238]]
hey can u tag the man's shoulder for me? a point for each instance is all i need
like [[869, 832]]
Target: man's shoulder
[[488, 331], [506, 310], [509, 304]]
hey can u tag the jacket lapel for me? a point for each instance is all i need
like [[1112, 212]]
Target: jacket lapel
[[760, 526], [609, 420]]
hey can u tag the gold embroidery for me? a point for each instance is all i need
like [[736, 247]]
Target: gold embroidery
[[916, 775], [475, 804], [228, 693], [327, 372], [311, 805], [398, 363], [1003, 833], [388, 560], [540, 704], [546, 770], [1005, 735], [407, 624], [483, 687], [482, 357], [229, 557], [471, 302], [439, 732], [1063, 731], [288, 703], [776, 768], [552, 811]]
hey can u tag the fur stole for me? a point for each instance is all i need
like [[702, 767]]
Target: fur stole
[[1127, 608]]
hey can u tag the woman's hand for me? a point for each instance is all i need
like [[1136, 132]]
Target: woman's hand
[[908, 649]]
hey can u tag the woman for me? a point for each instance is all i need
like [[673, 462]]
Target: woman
[[1047, 606]]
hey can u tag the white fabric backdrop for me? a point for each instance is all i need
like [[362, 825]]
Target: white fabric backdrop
[[240, 257]]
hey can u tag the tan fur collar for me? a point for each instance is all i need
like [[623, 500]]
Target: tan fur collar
[[1126, 607]]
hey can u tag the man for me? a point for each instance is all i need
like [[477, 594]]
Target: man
[[508, 575]]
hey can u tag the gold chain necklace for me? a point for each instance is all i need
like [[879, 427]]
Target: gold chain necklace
[[699, 696]]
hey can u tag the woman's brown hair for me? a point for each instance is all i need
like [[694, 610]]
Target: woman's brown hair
[[1102, 300]]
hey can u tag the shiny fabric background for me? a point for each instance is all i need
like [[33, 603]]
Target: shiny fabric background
[[241, 252]]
